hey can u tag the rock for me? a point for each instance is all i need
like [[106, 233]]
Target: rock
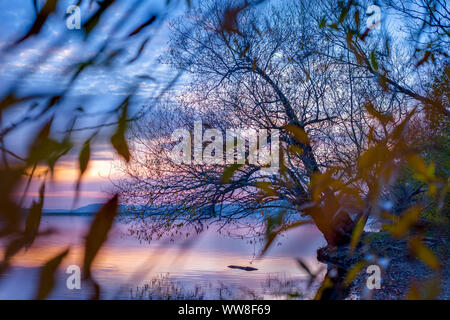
[[338, 256], [242, 268]]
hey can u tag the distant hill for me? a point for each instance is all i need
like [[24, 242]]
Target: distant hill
[[81, 211]]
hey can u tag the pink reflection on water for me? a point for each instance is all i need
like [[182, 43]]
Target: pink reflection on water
[[125, 263]]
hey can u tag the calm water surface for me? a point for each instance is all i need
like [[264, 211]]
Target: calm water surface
[[127, 268]]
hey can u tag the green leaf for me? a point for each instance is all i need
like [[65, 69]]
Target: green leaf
[[267, 188], [322, 23], [373, 60], [229, 171], [334, 26]]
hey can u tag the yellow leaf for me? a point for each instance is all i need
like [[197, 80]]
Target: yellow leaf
[[266, 188], [432, 189], [407, 220], [422, 252], [430, 170], [418, 164], [326, 283], [319, 182], [372, 156], [298, 133], [429, 290], [357, 232], [414, 292], [353, 272], [296, 150]]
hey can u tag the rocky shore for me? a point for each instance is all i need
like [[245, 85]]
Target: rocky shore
[[399, 268]]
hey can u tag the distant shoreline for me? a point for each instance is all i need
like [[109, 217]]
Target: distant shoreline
[[67, 214]]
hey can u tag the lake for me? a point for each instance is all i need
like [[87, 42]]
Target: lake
[[127, 268]]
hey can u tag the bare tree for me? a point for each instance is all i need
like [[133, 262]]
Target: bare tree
[[282, 72]]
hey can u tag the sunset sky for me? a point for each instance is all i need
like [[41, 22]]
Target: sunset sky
[[97, 92]]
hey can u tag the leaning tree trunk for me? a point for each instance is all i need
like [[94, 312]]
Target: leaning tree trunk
[[335, 224], [330, 217]]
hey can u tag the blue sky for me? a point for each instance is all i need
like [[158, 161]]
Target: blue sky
[[27, 68], [41, 65]]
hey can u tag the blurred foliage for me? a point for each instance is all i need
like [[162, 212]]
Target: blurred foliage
[[395, 161], [47, 145], [407, 172]]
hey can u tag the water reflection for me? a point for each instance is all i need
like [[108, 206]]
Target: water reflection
[[127, 268]]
